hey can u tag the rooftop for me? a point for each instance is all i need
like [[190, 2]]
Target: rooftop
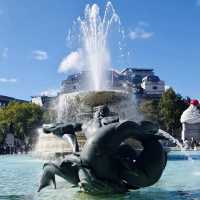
[[7, 98], [137, 69]]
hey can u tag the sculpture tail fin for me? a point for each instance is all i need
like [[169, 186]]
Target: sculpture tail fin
[[48, 177]]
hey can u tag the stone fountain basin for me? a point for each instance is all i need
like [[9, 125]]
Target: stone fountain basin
[[96, 98], [81, 106]]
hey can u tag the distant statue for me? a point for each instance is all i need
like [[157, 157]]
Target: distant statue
[[190, 120], [108, 163]]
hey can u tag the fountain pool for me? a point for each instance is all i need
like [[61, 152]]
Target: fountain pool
[[20, 178]]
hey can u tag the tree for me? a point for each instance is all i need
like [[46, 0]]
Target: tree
[[49, 116], [171, 107], [150, 109], [3, 130], [23, 117]]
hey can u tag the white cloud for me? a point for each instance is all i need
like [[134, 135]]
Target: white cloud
[[143, 24], [40, 55], [8, 80], [140, 33], [5, 53], [74, 60], [50, 92]]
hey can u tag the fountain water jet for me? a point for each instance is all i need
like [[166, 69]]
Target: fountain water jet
[[94, 35]]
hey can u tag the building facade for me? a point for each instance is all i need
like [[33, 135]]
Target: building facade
[[43, 101], [152, 85], [141, 81]]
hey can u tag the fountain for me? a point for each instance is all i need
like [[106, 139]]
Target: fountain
[[93, 36], [119, 157], [121, 152]]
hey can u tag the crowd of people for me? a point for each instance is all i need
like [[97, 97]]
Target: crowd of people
[[6, 149], [13, 145], [15, 149], [191, 144]]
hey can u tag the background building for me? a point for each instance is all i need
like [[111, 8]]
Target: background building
[[43, 100], [141, 81], [5, 100], [152, 86]]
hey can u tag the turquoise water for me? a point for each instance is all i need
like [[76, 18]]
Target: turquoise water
[[19, 179]]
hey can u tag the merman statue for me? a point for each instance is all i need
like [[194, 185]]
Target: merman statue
[[108, 162]]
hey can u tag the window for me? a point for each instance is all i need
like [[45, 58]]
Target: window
[[155, 87]]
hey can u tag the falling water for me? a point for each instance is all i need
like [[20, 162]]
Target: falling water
[[176, 141], [94, 37], [171, 138], [67, 107], [48, 145]]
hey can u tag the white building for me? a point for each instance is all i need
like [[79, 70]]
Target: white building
[[43, 101], [141, 81], [37, 100], [152, 85]]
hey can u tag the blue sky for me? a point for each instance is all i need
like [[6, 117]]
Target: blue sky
[[164, 35]]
